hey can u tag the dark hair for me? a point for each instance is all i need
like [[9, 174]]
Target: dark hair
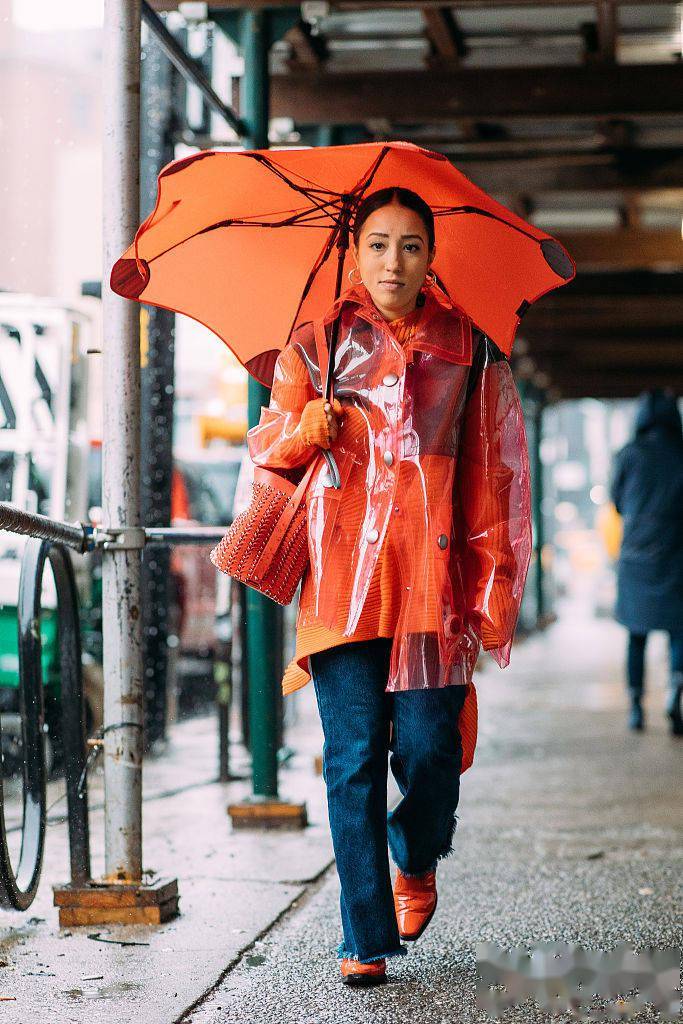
[[404, 197]]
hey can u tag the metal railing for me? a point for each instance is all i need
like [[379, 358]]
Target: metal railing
[[51, 541]]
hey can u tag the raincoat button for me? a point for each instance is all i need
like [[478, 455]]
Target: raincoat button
[[442, 540], [389, 379], [373, 535], [388, 458]]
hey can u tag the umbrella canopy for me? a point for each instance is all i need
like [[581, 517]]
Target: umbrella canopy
[[254, 243]]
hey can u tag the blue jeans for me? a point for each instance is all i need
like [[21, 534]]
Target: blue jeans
[[635, 662], [426, 756]]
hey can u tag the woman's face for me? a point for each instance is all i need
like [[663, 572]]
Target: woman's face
[[393, 258]]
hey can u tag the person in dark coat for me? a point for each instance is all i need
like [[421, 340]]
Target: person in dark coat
[[647, 491]]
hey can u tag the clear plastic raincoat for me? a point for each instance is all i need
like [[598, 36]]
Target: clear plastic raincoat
[[433, 462]]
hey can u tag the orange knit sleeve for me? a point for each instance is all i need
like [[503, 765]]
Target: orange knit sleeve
[[294, 419], [276, 441]]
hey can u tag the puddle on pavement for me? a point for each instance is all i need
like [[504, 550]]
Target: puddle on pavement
[[104, 991]]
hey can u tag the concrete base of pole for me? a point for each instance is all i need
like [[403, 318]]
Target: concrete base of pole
[[103, 902], [267, 813]]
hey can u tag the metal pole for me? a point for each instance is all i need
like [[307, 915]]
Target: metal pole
[[189, 68], [121, 611], [537, 476], [158, 119], [264, 625]]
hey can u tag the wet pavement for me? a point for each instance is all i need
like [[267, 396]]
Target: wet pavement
[[233, 887], [569, 828]]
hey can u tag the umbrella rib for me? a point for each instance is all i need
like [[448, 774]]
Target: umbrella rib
[[361, 186], [447, 211], [327, 249], [356, 191], [309, 193], [261, 224], [292, 211], [294, 221], [298, 217], [279, 170]]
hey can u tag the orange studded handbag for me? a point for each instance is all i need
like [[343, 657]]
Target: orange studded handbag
[[266, 546]]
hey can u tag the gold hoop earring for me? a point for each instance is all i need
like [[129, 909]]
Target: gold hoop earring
[[430, 279], [350, 276]]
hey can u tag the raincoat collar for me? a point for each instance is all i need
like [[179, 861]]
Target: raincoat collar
[[430, 298], [455, 328]]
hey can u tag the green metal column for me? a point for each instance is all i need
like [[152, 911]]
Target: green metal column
[[254, 43], [533, 604], [263, 622], [537, 498], [253, 32]]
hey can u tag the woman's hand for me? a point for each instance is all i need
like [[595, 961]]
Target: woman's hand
[[319, 422]]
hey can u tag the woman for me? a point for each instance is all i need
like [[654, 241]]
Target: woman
[[414, 563], [647, 491]]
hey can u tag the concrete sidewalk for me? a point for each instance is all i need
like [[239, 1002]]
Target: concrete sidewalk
[[569, 829], [233, 886]]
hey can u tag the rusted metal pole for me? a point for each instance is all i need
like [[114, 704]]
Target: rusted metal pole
[[121, 612]]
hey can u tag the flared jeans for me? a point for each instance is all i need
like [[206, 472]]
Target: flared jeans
[[426, 756]]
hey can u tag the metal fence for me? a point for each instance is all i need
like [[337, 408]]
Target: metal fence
[[52, 541]]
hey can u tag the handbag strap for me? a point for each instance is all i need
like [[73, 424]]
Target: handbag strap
[[299, 494], [284, 522]]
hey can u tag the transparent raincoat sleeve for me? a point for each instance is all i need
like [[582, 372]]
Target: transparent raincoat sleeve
[[275, 441], [494, 505]]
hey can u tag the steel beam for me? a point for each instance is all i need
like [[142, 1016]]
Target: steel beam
[[433, 96]]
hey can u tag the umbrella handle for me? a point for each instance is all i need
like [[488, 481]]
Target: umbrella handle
[[323, 358], [342, 246], [332, 467]]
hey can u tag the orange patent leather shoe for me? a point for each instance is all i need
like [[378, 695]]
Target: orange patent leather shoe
[[355, 973], [415, 901]]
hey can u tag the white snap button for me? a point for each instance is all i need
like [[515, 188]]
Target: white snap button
[[388, 458], [389, 379], [442, 540], [373, 536]]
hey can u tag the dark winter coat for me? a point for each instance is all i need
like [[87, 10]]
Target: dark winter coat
[[647, 490]]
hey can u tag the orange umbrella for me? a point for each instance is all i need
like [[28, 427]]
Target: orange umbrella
[[254, 243]]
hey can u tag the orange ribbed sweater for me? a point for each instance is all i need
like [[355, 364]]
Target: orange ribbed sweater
[[378, 617]]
